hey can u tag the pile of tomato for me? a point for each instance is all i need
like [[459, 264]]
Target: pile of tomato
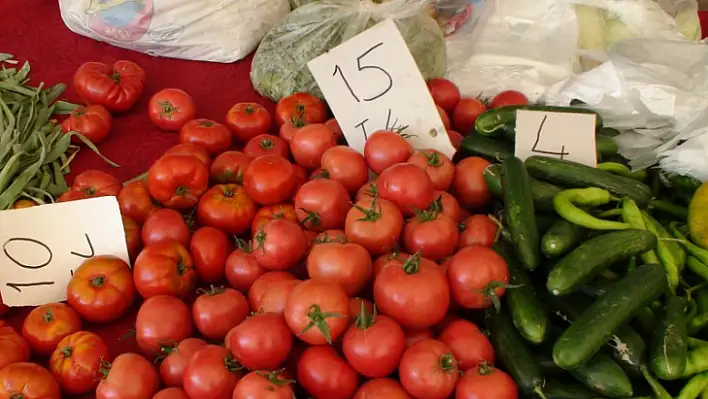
[[318, 269]]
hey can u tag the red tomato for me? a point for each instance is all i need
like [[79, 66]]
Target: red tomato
[[437, 165], [212, 373], [226, 207], [373, 345], [191, 150], [265, 144], [447, 205], [407, 186], [229, 167], [94, 183], [242, 268], [133, 241], [270, 292], [27, 381], [13, 347], [76, 362], [162, 320], [261, 342], [269, 180], [386, 148], [212, 136], [413, 292], [322, 204], [507, 98], [415, 336], [366, 192], [300, 176], [263, 386], [135, 201], [478, 230], [355, 307], [117, 88], [345, 264], [469, 184], [287, 130], [333, 125], [170, 109], [317, 312], [280, 244], [171, 393], [209, 248], [177, 181], [466, 113], [346, 166], [48, 324], [375, 225], [325, 375], [383, 261], [176, 359], [381, 388], [218, 310], [445, 93], [130, 376], [429, 370], [444, 117], [93, 122], [468, 344], [330, 235], [101, 289], [270, 212], [300, 106], [248, 120], [309, 143], [486, 382], [165, 225], [478, 276], [434, 236], [164, 268], [455, 139]]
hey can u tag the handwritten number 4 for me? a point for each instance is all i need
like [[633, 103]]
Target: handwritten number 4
[[535, 148]]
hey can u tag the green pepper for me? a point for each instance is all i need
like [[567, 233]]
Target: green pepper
[[696, 361], [677, 212], [686, 184], [696, 343], [694, 250], [622, 170], [697, 267], [632, 215], [656, 387], [494, 122], [565, 205], [694, 387]]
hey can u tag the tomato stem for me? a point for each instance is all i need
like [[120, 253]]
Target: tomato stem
[[260, 238], [97, 282], [484, 368], [231, 364], [318, 319], [490, 292], [104, 368], [365, 319], [245, 246], [213, 290], [313, 218], [167, 109], [372, 214], [448, 363], [67, 351], [433, 159], [412, 264], [275, 377], [48, 316], [321, 174], [181, 267]]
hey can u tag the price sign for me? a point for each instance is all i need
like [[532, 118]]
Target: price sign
[[372, 83], [560, 135], [42, 245]]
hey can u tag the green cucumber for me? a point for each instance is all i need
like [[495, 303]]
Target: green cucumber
[[542, 192], [606, 146], [576, 175], [549, 367], [567, 389], [488, 148], [595, 255], [608, 132], [562, 237], [519, 213], [596, 325], [601, 374], [667, 355]]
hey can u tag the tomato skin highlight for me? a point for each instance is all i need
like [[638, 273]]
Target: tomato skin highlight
[[472, 272], [468, 344], [261, 342], [210, 135], [263, 386], [386, 148], [265, 144], [13, 347], [300, 107], [317, 312], [242, 268], [381, 388], [309, 143], [374, 347], [217, 310], [93, 122], [45, 326], [165, 225], [164, 268], [486, 382], [117, 87], [226, 207], [171, 393], [173, 365], [76, 362], [469, 185], [162, 320], [280, 244], [347, 166], [209, 248], [171, 109], [248, 120], [325, 375], [177, 181], [445, 93], [345, 264], [27, 380], [130, 376], [322, 204], [478, 230], [229, 167], [269, 180], [375, 224], [428, 370], [407, 186], [212, 373]]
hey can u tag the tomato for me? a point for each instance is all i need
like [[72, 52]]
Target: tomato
[[209, 248], [161, 321], [170, 109], [317, 312], [455, 139], [135, 201], [375, 225], [302, 106], [177, 181], [429, 370], [94, 183], [263, 386], [287, 130], [13, 347], [325, 375], [469, 184], [373, 345], [101, 289], [248, 120], [164, 268], [176, 360], [486, 382], [355, 307], [437, 165], [242, 269], [171, 393], [333, 125], [93, 122], [447, 205], [347, 166], [478, 277], [434, 236], [165, 225], [466, 113], [48, 324], [330, 235], [212, 136], [444, 117], [212, 373], [269, 180], [385, 260], [270, 212], [468, 344], [322, 204], [445, 94], [132, 236], [478, 230], [191, 150], [385, 148], [415, 336], [342, 263], [366, 192], [507, 98], [229, 167], [272, 288], [226, 207], [261, 342], [381, 388], [218, 310], [28, 381], [407, 186], [280, 244], [309, 143], [76, 362], [117, 88], [413, 292], [265, 144], [130, 376]]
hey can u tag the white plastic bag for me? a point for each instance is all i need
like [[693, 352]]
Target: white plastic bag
[[205, 30]]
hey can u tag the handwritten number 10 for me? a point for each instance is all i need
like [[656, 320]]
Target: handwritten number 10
[[360, 67]]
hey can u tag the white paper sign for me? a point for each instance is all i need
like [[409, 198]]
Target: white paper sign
[[560, 135], [372, 82], [42, 245]]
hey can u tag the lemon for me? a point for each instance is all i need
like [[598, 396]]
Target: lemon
[[698, 216]]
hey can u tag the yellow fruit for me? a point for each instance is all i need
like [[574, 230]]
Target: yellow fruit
[[698, 216]]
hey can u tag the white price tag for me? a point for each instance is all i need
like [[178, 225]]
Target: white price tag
[[372, 82], [42, 245], [561, 135]]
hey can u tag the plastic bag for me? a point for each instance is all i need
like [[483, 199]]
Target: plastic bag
[[280, 64], [209, 30]]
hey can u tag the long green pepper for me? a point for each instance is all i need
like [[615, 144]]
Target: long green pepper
[[632, 215], [565, 204]]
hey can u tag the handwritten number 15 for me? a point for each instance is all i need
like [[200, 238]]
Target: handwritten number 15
[[364, 67]]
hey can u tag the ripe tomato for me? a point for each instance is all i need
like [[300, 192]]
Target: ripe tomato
[[229, 167], [218, 310], [48, 324], [117, 88], [415, 336], [444, 117], [374, 224], [212, 136], [165, 225], [191, 150], [325, 375], [386, 148], [262, 342], [177, 181], [242, 269], [434, 236], [507, 98], [366, 192], [265, 144], [429, 370], [333, 125], [171, 393], [468, 344], [469, 185], [209, 248], [176, 360], [161, 321], [478, 230], [264, 386], [455, 139], [347, 166], [407, 186], [287, 130], [373, 345], [280, 244], [383, 261], [478, 277], [413, 292], [93, 122], [164, 268], [135, 201], [309, 143], [355, 307], [300, 176], [270, 212], [13, 347], [170, 109], [133, 241], [303, 106], [76, 362], [466, 113], [437, 165], [322, 204], [271, 291], [130, 376], [269, 180], [486, 381], [447, 205], [248, 120], [317, 312], [101, 289], [212, 373], [445, 94], [227, 207], [27, 381], [345, 264], [94, 183], [381, 388]]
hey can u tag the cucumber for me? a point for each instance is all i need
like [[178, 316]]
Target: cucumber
[[562, 237], [567, 389], [608, 132], [601, 374], [488, 148], [667, 355], [574, 174], [595, 255], [549, 367], [542, 192], [606, 146], [519, 213], [596, 325]]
